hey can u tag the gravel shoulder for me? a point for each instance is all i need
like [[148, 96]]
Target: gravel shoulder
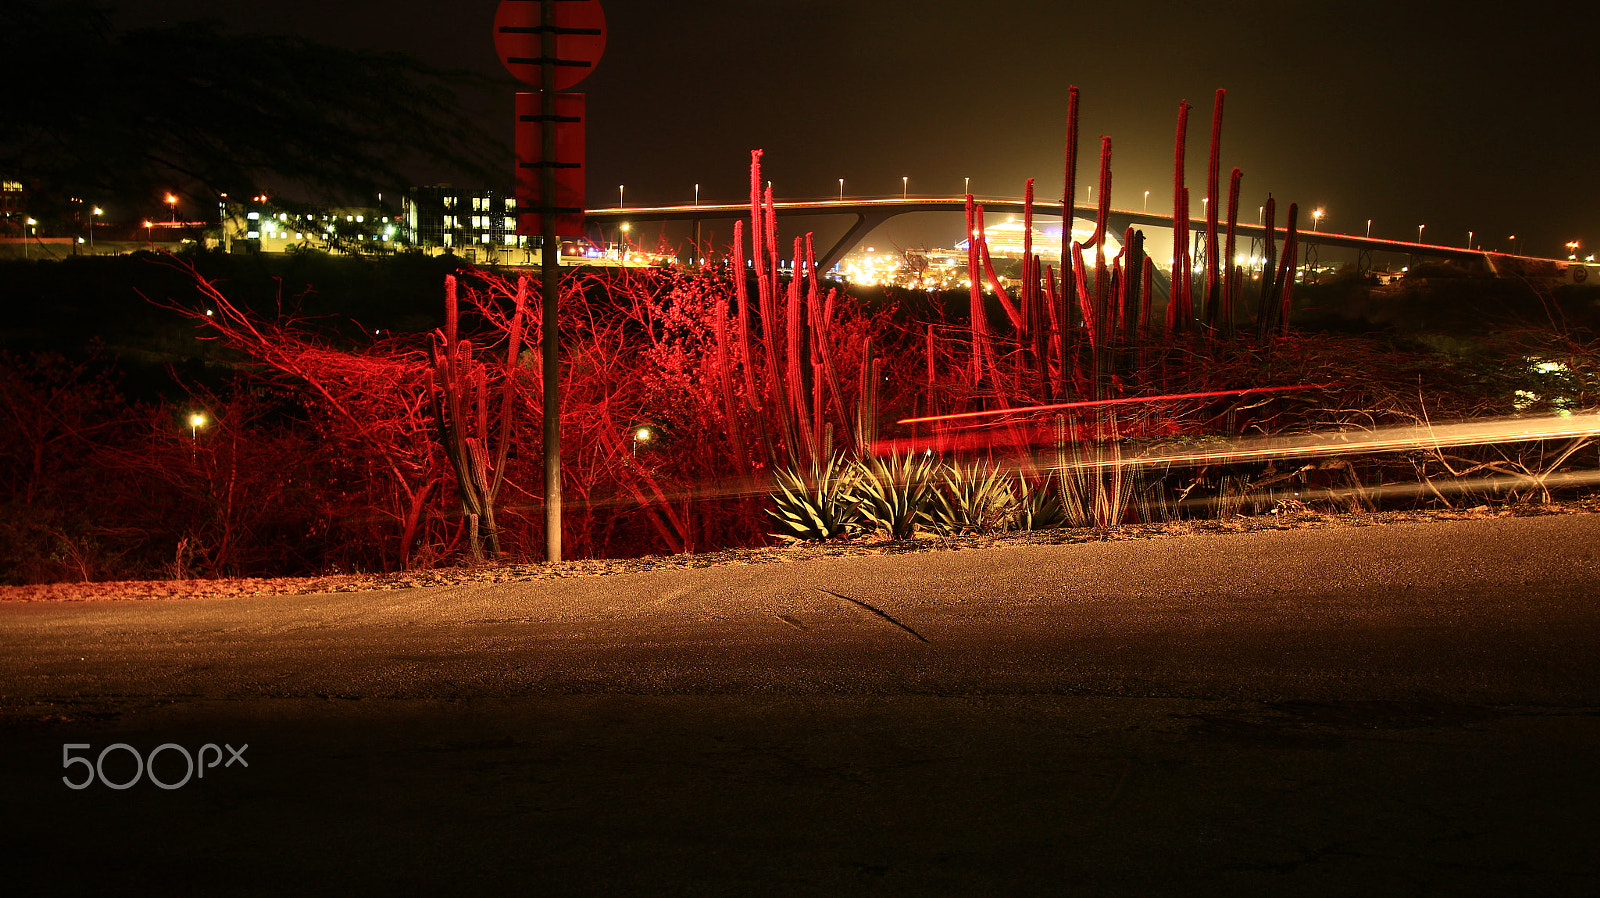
[[514, 571]]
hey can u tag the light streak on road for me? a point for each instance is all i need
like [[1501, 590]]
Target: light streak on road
[[1385, 439], [1028, 409]]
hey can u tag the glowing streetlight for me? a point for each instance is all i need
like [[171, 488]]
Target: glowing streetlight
[[1369, 227], [642, 435], [697, 194], [1572, 249], [1513, 239], [196, 421], [172, 204], [1147, 201], [1469, 240], [1419, 232], [841, 190], [967, 186], [1316, 219], [905, 186]]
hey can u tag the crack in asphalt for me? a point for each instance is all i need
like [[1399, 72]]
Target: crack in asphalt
[[876, 611]]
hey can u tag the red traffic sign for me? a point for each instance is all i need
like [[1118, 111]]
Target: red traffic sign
[[566, 204], [580, 39]]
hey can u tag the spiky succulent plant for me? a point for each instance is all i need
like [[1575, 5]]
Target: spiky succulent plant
[[898, 495], [817, 505], [977, 498]]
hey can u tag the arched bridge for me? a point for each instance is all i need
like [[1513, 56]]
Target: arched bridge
[[870, 213]]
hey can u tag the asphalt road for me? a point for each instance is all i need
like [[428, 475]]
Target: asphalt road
[[1411, 709]]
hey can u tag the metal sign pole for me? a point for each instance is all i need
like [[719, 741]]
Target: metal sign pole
[[550, 280]]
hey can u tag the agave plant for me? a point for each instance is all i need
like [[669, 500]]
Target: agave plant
[[976, 498], [817, 505], [899, 495], [1039, 504]]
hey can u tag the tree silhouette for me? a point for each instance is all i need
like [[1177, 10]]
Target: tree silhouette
[[132, 113]]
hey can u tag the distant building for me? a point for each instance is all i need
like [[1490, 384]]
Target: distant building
[[260, 225], [478, 224], [13, 205]]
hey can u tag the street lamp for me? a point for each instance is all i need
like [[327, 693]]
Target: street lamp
[[619, 196], [93, 214], [196, 421], [1469, 240], [622, 253], [966, 188], [841, 190], [642, 435], [1572, 248], [697, 194], [1316, 219], [172, 204], [1419, 232], [1513, 244], [1369, 228], [1147, 201], [905, 187]]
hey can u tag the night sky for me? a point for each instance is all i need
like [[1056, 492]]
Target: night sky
[[1405, 113]]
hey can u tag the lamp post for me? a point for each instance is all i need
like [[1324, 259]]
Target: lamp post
[[642, 435], [1469, 240], [172, 204], [905, 187], [1419, 232], [1369, 228], [841, 190], [26, 224], [619, 196], [1147, 201], [1316, 219], [966, 187], [94, 213], [196, 421], [697, 194], [1513, 244]]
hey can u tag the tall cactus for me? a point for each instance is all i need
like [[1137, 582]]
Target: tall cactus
[[1179, 309], [459, 392], [1214, 266]]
